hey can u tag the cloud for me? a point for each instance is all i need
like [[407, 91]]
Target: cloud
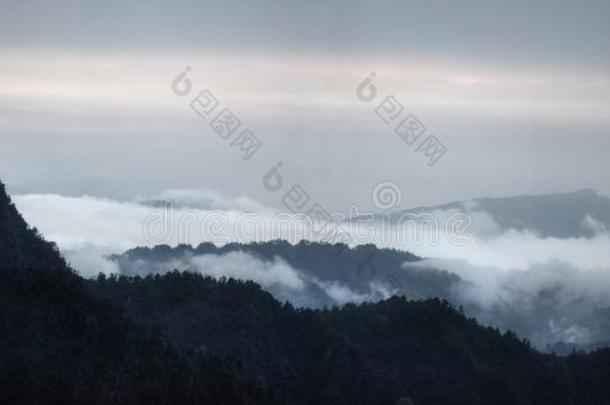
[[546, 301], [75, 222], [202, 199], [514, 250], [239, 265], [276, 276], [593, 225], [90, 260], [547, 289], [195, 216], [342, 294]]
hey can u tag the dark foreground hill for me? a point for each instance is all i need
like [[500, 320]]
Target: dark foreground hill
[[61, 345], [185, 338], [424, 351]]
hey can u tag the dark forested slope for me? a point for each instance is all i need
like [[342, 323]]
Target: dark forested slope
[[60, 344], [371, 353]]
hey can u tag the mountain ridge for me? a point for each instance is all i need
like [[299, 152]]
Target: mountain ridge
[[580, 213]]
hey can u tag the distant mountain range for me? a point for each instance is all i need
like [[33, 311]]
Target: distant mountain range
[[581, 213]]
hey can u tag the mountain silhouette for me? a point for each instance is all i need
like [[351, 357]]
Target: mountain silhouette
[[580, 213], [60, 344]]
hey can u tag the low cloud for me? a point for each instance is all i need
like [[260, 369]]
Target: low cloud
[[203, 200], [547, 302], [276, 276], [239, 265]]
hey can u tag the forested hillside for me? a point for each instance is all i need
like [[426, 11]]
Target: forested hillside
[[60, 344]]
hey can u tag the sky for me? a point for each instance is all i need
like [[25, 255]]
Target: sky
[[518, 94]]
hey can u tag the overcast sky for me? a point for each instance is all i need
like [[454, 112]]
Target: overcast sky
[[518, 92]]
